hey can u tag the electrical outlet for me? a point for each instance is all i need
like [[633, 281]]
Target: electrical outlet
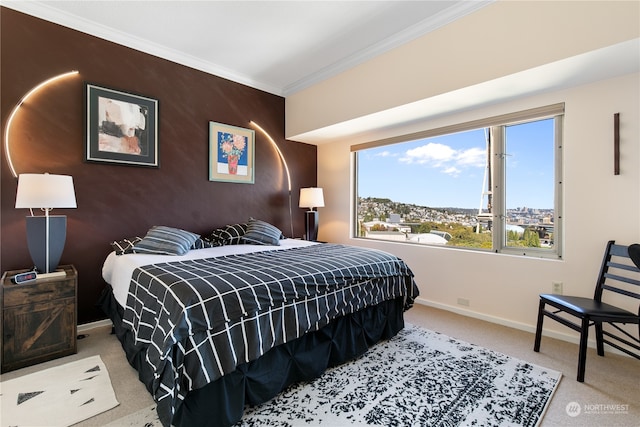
[[556, 288], [463, 301]]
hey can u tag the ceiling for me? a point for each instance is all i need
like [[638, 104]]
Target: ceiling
[[276, 46]]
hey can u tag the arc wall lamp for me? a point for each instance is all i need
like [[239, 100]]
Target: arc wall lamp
[[13, 113], [286, 168]]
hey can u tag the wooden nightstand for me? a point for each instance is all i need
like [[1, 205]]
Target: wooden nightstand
[[38, 319]]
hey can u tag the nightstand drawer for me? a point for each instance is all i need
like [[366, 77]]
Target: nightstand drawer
[[15, 295]]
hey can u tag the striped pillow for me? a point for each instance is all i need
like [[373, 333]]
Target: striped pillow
[[163, 240], [261, 233]]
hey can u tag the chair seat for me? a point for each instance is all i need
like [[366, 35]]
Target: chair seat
[[589, 307]]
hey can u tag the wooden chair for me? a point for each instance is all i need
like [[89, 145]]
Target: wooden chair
[[617, 274]]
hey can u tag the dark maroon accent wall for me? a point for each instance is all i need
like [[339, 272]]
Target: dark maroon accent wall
[[117, 201]]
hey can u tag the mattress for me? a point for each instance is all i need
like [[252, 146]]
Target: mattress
[[117, 269]]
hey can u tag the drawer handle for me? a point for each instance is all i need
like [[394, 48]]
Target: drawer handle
[[43, 292]]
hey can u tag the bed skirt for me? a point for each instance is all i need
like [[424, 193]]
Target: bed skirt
[[222, 402]]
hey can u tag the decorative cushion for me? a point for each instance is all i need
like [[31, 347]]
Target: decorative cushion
[[201, 243], [125, 246], [228, 235], [634, 253], [261, 233], [166, 241]]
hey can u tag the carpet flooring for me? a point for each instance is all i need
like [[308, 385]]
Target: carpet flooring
[[417, 378]]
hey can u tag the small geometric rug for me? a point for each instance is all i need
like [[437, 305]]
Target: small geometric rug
[[417, 378], [58, 396]]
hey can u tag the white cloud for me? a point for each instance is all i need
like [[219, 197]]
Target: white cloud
[[476, 157], [432, 154], [449, 160], [385, 154], [452, 170]]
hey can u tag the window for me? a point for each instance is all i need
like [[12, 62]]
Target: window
[[492, 184]]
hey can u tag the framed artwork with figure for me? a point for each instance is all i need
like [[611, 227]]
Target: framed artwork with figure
[[231, 153], [121, 128]]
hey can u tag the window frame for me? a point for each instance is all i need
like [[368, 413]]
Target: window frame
[[498, 174]]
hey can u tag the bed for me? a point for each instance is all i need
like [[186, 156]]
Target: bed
[[215, 329]]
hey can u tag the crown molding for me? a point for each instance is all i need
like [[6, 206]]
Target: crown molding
[[51, 14]]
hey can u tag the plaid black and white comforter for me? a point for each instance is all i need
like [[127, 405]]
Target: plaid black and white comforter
[[202, 318]]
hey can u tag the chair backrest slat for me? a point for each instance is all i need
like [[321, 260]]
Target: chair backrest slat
[[618, 273], [619, 250], [623, 266], [624, 279], [621, 291]]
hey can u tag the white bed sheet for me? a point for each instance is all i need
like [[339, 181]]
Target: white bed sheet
[[117, 269]]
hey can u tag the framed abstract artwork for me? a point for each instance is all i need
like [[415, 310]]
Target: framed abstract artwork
[[231, 153], [121, 128]]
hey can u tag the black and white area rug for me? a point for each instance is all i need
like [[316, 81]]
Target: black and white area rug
[[418, 378], [58, 396]]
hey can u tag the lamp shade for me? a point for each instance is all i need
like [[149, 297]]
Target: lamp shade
[[45, 191], [311, 198]]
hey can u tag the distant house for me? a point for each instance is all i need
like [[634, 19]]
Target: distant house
[[378, 226]]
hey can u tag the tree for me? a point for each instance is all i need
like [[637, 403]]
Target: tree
[[531, 238], [425, 227]]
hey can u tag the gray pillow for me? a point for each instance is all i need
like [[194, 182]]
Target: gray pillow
[[261, 233], [163, 240]]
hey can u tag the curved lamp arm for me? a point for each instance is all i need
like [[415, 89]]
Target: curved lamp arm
[[15, 111]]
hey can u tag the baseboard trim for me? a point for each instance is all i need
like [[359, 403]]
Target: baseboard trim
[[97, 324], [574, 339]]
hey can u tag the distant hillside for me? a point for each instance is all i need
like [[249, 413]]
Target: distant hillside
[[402, 208]]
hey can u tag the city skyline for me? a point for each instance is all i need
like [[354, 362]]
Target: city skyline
[[448, 171]]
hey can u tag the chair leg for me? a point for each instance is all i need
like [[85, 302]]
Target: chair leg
[[582, 356], [536, 344], [599, 339]]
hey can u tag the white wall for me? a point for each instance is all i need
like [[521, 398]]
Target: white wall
[[598, 206]]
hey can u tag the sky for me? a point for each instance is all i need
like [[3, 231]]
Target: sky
[[449, 171]]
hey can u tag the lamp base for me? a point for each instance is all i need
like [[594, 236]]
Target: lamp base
[[46, 258], [311, 225]]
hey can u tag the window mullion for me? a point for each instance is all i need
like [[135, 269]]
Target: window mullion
[[558, 219], [498, 191]]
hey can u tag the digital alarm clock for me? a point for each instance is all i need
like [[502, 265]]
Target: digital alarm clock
[[26, 277]]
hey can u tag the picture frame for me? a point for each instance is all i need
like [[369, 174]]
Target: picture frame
[[121, 128], [231, 153]]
